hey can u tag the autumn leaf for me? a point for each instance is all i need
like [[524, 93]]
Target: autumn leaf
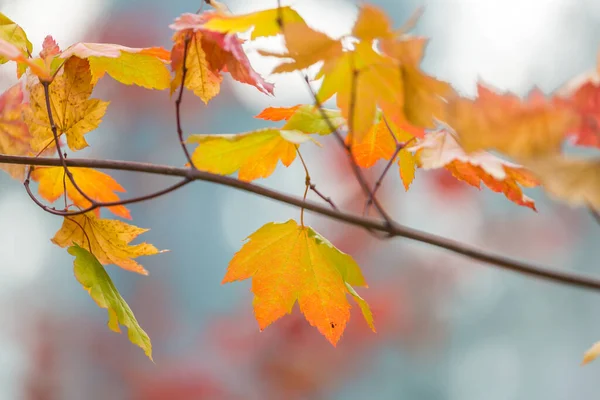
[[362, 80], [305, 47], [209, 55], [107, 239], [253, 154], [11, 52], [440, 149], [379, 144], [14, 134], [372, 23], [289, 263], [575, 181], [519, 129], [75, 114], [97, 185], [263, 23], [14, 35], [278, 113], [425, 97], [145, 67], [585, 102], [94, 279]]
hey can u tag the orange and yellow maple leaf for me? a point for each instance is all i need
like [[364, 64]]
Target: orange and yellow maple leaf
[[107, 239], [75, 114], [253, 154], [97, 185], [289, 263]]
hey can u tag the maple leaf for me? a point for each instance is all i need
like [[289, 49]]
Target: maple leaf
[[277, 113], [263, 23], [253, 154], [94, 279], [425, 97], [14, 134], [289, 263], [75, 114], [145, 67], [441, 149], [521, 130], [305, 118], [305, 47], [97, 185], [107, 239], [14, 35], [575, 181], [372, 23], [379, 144], [209, 54]]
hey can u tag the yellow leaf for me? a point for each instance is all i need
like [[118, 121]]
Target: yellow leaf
[[75, 114], [253, 154], [107, 239], [289, 263], [97, 185], [264, 22], [15, 35], [407, 164], [94, 279], [145, 67], [363, 80]]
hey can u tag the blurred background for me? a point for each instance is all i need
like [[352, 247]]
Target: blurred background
[[448, 328]]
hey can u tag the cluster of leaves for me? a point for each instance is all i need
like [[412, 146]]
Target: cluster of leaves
[[388, 110]]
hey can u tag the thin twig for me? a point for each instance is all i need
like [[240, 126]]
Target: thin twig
[[184, 70], [311, 185], [392, 160], [393, 229]]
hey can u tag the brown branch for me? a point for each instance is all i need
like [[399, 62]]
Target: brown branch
[[377, 185], [393, 229], [312, 186]]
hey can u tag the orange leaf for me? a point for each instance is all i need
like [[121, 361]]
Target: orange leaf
[[106, 239], [591, 354], [14, 134], [97, 185], [289, 263], [440, 149], [372, 23], [585, 101], [277, 113], [521, 130]]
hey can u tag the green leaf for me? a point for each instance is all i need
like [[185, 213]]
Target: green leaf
[[309, 119], [14, 34], [93, 277]]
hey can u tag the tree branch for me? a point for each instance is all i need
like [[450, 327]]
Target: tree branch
[[392, 229]]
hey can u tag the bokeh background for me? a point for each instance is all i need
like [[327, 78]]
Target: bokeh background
[[448, 328]]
